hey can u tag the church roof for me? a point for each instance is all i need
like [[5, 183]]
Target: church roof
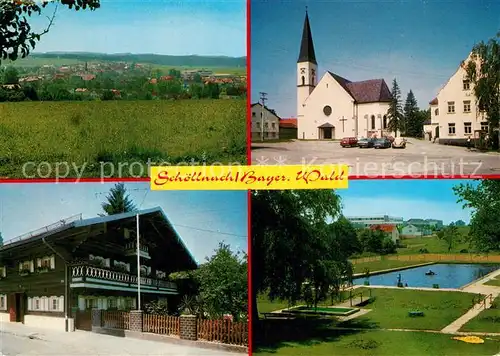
[[367, 91], [306, 46], [434, 101]]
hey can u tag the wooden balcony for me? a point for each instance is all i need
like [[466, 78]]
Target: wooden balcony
[[131, 250], [87, 276]]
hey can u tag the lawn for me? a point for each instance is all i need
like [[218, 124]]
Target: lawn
[[84, 134], [267, 306], [383, 265], [382, 343], [390, 309], [494, 282], [487, 321], [363, 336], [432, 244]]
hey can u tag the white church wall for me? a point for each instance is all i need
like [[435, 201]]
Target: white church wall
[[371, 119], [330, 93]]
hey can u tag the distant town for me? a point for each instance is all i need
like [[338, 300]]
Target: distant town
[[113, 80]]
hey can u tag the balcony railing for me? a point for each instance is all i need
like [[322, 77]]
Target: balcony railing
[[131, 249], [104, 274]]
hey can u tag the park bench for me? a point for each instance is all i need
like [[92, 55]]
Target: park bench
[[415, 313]]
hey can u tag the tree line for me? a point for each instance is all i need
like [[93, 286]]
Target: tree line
[[407, 120], [133, 85]]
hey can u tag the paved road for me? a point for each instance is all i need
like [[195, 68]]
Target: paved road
[[420, 159], [40, 342]]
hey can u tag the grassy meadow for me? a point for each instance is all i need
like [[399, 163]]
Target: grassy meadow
[[376, 333], [91, 132], [33, 61]]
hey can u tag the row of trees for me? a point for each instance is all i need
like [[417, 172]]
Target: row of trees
[[106, 86], [407, 120]]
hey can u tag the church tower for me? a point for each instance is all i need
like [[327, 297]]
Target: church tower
[[306, 68]]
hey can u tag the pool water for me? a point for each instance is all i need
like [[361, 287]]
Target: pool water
[[447, 275]]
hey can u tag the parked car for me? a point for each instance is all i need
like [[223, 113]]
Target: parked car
[[349, 142], [399, 143], [382, 143], [366, 143]]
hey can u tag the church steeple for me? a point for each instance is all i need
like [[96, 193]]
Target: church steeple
[[307, 47]]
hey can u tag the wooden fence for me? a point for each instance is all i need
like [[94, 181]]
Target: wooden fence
[[115, 319], [224, 331], [221, 331], [161, 324], [433, 257]]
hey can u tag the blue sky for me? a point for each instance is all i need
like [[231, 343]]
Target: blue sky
[[200, 27], [419, 42], [420, 199], [202, 218]]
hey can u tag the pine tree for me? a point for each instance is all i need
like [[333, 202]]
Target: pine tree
[[118, 201], [411, 127], [395, 114], [1, 239]]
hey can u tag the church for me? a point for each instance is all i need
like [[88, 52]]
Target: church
[[335, 107]]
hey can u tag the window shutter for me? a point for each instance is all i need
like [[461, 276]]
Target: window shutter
[[52, 262], [39, 262], [61, 303], [30, 304], [20, 266], [32, 267]]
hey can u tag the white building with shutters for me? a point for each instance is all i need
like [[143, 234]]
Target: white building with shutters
[[454, 113]]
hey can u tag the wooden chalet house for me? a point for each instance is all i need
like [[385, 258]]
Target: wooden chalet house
[[54, 276]]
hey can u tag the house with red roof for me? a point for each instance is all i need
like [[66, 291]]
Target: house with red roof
[[288, 128], [390, 229], [334, 107]]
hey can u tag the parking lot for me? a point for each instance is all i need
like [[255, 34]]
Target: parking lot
[[419, 159]]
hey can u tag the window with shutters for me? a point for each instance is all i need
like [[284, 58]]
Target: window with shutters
[[3, 302], [26, 267]]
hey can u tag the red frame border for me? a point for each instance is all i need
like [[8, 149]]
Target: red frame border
[[249, 193]]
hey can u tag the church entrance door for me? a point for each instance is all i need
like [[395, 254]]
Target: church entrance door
[[327, 133]]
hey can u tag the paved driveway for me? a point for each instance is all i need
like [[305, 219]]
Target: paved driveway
[[22, 340], [419, 158]]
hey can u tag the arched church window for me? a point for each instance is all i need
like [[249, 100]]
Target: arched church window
[[303, 80], [313, 80], [327, 110], [373, 122], [385, 121], [436, 112]]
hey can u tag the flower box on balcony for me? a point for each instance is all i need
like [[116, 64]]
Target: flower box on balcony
[[42, 269]]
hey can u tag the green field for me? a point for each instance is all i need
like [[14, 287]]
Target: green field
[[84, 134], [487, 321], [365, 335], [382, 343], [433, 244], [31, 61], [494, 282], [390, 308]]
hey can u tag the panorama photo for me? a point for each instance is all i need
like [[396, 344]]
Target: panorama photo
[[388, 267], [149, 82]]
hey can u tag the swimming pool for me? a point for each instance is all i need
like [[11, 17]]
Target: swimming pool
[[447, 275]]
